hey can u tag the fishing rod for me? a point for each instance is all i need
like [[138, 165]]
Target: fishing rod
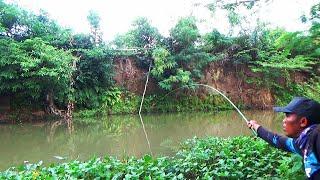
[[220, 93]]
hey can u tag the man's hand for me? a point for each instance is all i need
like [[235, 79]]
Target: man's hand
[[252, 124]]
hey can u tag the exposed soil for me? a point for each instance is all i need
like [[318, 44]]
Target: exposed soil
[[225, 76], [131, 77]]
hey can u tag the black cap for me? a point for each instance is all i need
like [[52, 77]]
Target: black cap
[[303, 107]]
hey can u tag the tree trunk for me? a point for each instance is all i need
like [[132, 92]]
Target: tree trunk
[[68, 116], [51, 108]]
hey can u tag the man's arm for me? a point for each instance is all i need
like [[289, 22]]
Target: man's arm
[[281, 142]]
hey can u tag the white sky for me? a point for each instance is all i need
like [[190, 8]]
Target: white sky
[[117, 15]]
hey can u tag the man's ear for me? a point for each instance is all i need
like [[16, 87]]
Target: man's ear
[[304, 122]]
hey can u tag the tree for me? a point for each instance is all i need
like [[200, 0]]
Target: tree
[[215, 42], [94, 76], [142, 38], [94, 21], [141, 35], [184, 34], [81, 41], [42, 26], [34, 69], [10, 20], [184, 63]]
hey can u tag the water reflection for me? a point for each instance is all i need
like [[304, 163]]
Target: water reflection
[[120, 135]]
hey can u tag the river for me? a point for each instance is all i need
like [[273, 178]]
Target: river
[[121, 136]]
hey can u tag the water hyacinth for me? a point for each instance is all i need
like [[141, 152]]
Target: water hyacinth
[[211, 157]]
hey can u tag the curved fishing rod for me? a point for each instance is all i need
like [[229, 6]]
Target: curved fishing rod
[[220, 93]]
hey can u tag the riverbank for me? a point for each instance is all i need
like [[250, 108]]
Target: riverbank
[[238, 157], [130, 104]]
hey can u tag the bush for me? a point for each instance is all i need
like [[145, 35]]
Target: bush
[[218, 158]]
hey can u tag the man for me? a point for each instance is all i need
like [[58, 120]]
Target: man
[[303, 133]]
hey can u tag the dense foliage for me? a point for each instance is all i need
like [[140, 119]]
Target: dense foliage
[[239, 157], [94, 76], [38, 56], [32, 69]]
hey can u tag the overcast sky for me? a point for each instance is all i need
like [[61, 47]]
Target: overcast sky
[[117, 15]]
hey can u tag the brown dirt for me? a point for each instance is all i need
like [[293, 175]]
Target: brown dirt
[[132, 78], [225, 76], [230, 79]]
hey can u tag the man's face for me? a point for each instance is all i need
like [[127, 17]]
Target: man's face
[[292, 125]]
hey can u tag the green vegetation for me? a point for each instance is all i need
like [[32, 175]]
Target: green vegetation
[[185, 103], [239, 157], [43, 64], [123, 102], [41, 59]]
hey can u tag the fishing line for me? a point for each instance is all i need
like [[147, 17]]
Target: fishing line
[[220, 93], [195, 84], [144, 92]]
